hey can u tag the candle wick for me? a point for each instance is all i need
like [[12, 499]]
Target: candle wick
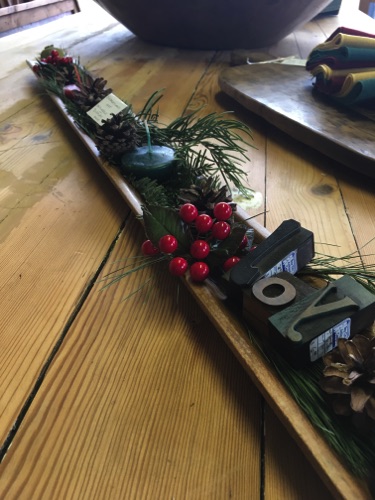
[[148, 138]]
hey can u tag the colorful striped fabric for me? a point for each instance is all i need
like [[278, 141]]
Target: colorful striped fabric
[[344, 66]]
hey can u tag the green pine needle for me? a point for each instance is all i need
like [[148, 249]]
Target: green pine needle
[[224, 150], [357, 451], [328, 268], [138, 265], [153, 192], [137, 290]]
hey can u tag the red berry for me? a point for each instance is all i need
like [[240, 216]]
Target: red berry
[[221, 230], [178, 266], [148, 248], [55, 53], [199, 249], [229, 263], [69, 93], [222, 211], [203, 223], [188, 212], [168, 244], [199, 271], [244, 242]]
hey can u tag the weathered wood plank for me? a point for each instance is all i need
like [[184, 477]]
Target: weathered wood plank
[[52, 243], [284, 463], [143, 400], [45, 180]]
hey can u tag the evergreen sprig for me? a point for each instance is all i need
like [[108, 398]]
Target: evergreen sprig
[[211, 146], [150, 189], [328, 268], [136, 264], [357, 450]]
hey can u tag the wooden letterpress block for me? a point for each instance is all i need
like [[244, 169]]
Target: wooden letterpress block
[[309, 328], [289, 248], [269, 296]]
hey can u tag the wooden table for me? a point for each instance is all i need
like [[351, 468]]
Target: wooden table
[[106, 398]]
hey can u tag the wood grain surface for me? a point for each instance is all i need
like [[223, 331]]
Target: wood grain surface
[[106, 398], [139, 411]]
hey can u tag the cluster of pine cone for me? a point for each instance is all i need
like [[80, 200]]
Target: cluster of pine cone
[[349, 378]]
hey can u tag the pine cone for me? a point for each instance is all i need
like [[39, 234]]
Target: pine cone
[[349, 376], [204, 194], [117, 135], [91, 92], [66, 74]]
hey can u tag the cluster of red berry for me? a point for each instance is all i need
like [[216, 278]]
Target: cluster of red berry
[[56, 59], [207, 229]]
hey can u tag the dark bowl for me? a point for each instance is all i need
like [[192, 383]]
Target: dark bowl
[[213, 24]]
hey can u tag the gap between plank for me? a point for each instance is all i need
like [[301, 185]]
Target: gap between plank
[[38, 383]]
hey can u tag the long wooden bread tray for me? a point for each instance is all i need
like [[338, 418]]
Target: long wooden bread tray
[[338, 479]]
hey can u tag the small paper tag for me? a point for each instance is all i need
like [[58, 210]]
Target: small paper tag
[[106, 107], [328, 340], [288, 264]]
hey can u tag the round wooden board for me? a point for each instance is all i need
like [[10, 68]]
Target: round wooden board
[[283, 95]]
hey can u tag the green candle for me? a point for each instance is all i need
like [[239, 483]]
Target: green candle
[[155, 162]]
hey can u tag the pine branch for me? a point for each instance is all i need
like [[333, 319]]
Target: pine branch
[[219, 137], [328, 268], [153, 193], [357, 451]]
